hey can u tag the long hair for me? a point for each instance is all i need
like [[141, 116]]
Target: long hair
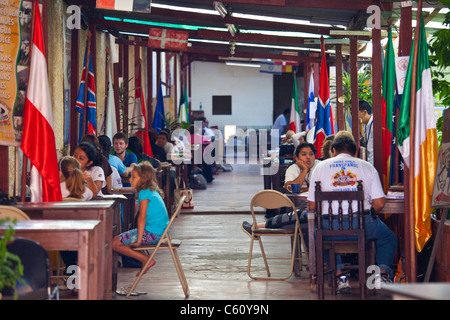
[[147, 175], [91, 152], [70, 168]]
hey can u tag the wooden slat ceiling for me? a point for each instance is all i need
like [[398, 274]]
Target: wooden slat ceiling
[[334, 13]]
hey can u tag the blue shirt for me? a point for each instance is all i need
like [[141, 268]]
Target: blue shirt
[[115, 162], [157, 218]]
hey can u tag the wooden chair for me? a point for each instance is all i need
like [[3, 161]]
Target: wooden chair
[[71, 199], [340, 246], [165, 242], [271, 199], [12, 213]]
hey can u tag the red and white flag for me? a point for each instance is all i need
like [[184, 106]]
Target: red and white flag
[[38, 140]]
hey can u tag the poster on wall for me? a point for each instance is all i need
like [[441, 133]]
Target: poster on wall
[[15, 34]]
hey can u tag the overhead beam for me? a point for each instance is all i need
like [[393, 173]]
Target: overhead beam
[[319, 4]]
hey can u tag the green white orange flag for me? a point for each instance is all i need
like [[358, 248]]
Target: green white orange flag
[[294, 123], [425, 142], [388, 95]]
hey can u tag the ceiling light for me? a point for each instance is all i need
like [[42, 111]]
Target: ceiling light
[[219, 6], [232, 29], [237, 64]]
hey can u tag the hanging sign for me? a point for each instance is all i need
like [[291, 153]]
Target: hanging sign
[[11, 79], [168, 39], [125, 5]]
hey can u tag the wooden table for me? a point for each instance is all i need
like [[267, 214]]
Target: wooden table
[[73, 235], [418, 291], [106, 211], [129, 210]]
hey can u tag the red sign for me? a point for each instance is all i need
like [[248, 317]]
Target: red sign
[[168, 39]]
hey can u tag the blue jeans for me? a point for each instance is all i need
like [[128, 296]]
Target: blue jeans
[[375, 229]]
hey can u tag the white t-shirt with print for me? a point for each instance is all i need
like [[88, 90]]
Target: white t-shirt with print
[[341, 173]]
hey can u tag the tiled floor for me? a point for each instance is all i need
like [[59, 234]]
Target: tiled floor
[[214, 253]]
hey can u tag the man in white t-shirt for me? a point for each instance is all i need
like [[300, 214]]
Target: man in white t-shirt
[[340, 173]]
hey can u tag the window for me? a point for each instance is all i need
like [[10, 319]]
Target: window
[[221, 105]]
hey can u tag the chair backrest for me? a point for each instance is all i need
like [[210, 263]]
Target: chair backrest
[[12, 213], [341, 197], [270, 199], [174, 215], [36, 269]]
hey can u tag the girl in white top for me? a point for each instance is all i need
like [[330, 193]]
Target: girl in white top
[[72, 182], [93, 174]]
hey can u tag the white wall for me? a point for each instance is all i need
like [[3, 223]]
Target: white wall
[[251, 91]]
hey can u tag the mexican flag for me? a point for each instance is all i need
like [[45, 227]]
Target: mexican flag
[[425, 142], [388, 95], [294, 123]]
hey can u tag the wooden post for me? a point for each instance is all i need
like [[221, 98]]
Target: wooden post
[[339, 89], [376, 100], [354, 87]]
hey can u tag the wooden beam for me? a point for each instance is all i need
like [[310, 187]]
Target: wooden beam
[[320, 4], [376, 101]]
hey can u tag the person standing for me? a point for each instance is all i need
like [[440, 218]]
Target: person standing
[[366, 117], [281, 122]]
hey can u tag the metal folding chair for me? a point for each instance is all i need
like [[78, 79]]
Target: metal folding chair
[[165, 242]]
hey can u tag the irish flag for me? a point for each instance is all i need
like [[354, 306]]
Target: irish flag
[[38, 141], [425, 144], [388, 95], [294, 123]]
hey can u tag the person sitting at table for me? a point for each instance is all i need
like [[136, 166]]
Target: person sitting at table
[[104, 162], [344, 150], [287, 147], [164, 141], [326, 147], [153, 217], [72, 181], [135, 146], [158, 152], [117, 166], [120, 144], [305, 162], [93, 174]]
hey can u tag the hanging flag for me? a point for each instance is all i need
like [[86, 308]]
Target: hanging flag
[[125, 5], [294, 123], [387, 108], [168, 39], [109, 124], [312, 105], [183, 112], [91, 117], [139, 114], [38, 140], [158, 119], [323, 124], [425, 142]]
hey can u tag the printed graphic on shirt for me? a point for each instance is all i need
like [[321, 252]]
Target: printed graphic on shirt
[[344, 179]]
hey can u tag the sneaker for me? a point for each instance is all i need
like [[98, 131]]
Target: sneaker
[[247, 228], [380, 279], [343, 285]]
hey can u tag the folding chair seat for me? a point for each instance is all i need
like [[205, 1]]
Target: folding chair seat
[[271, 199], [323, 242], [12, 213], [165, 242]]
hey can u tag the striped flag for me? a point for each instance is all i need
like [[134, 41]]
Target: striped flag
[[323, 124], [38, 140], [312, 105], [183, 112], [91, 118], [387, 105], [294, 123], [425, 142], [125, 5], [139, 114]]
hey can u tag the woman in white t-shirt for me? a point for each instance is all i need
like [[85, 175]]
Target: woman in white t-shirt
[[72, 182], [93, 174]]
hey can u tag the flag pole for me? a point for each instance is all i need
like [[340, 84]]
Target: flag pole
[[86, 81], [23, 186], [410, 249]]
